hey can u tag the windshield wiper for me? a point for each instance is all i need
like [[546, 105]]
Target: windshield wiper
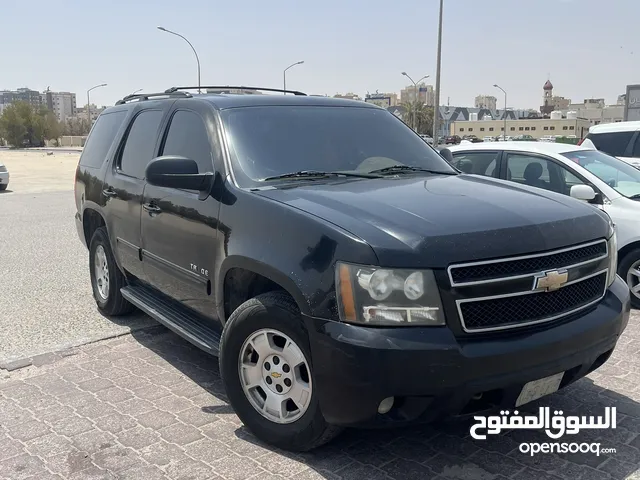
[[409, 169], [319, 174]]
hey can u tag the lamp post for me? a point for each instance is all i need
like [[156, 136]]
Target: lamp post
[[504, 134], [192, 48], [415, 86], [436, 109], [284, 74], [89, 102]]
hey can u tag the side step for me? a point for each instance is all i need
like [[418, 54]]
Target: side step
[[175, 317]]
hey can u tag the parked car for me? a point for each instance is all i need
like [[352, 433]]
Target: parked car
[[611, 184], [452, 140], [471, 138], [523, 138], [4, 177], [344, 273], [427, 139], [488, 138], [621, 139]]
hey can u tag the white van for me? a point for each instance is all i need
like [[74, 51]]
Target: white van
[[620, 139]]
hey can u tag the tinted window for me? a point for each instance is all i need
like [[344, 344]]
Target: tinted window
[[613, 143], [479, 163], [188, 137], [636, 148], [268, 141], [619, 175], [98, 144], [140, 144]]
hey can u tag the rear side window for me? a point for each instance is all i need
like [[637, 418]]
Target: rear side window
[[478, 163], [140, 144], [188, 137], [613, 143], [102, 136]]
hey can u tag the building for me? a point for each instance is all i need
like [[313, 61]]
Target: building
[[622, 99], [426, 94], [81, 113], [560, 103], [235, 91], [486, 101], [32, 97], [547, 98], [384, 100], [596, 111], [62, 104], [536, 127], [348, 96]]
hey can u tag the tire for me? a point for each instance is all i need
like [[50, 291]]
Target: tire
[[110, 301], [631, 260], [3, 186], [274, 312]]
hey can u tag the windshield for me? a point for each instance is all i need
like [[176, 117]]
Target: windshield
[[621, 176], [270, 141]]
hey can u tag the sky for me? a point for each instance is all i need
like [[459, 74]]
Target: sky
[[587, 48]]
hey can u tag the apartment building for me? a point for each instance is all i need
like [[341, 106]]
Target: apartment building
[[32, 97], [62, 104], [425, 94], [486, 101], [384, 100]]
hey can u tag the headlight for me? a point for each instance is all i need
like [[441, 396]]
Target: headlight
[[612, 246], [384, 296]]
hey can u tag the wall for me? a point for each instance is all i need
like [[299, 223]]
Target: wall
[[534, 127]]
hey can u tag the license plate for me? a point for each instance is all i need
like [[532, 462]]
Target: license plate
[[539, 388]]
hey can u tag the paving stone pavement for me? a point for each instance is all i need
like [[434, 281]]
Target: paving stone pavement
[[150, 406]]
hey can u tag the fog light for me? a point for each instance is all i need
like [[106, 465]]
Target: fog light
[[385, 405]]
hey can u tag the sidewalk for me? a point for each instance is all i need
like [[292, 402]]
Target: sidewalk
[[150, 406]]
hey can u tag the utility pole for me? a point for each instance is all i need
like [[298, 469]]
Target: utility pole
[[436, 109]]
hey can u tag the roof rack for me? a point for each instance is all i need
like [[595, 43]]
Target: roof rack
[[145, 96], [234, 87]]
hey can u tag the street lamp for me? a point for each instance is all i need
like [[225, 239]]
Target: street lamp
[[192, 48], [504, 135], [89, 102], [415, 85], [436, 110], [284, 74]]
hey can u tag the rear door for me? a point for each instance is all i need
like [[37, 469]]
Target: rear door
[[478, 162], [124, 184]]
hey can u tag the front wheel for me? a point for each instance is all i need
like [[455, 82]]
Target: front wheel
[[265, 363], [629, 270]]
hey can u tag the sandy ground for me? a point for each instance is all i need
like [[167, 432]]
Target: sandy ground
[[35, 171]]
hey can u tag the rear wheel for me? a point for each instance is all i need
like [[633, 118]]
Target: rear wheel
[[629, 270], [106, 277], [3, 186], [265, 363]]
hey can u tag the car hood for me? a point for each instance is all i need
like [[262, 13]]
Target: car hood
[[442, 219]]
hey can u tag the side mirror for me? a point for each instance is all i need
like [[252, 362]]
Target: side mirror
[[447, 155], [582, 192], [174, 171]]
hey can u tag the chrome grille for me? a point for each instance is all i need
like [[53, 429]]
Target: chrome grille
[[514, 292], [499, 269], [507, 312]]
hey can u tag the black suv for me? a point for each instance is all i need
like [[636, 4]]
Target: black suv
[[344, 273]]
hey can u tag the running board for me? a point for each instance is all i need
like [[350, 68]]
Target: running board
[[175, 317]]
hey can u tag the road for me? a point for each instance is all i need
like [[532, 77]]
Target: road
[[148, 405], [45, 293]]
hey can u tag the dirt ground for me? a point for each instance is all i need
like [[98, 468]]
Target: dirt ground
[[35, 171]]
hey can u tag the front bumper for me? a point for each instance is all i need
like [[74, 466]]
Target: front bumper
[[4, 178], [432, 373]]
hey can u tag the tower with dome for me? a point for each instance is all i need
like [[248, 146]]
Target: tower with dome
[[547, 98]]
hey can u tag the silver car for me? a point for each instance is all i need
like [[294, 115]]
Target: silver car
[[4, 177]]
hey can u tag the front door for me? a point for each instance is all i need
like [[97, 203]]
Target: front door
[[179, 228]]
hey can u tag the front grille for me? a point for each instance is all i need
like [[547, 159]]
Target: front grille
[[505, 312], [522, 266]]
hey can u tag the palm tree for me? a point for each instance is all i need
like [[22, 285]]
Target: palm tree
[[423, 116]]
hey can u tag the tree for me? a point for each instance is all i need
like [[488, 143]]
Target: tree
[[21, 124], [12, 127], [424, 117]]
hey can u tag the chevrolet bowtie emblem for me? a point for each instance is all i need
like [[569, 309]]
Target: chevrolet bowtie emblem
[[550, 280]]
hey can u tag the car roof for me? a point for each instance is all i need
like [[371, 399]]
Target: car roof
[[533, 147], [615, 127], [223, 101]]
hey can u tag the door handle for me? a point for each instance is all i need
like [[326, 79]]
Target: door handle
[[151, 208], [109, 192]]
